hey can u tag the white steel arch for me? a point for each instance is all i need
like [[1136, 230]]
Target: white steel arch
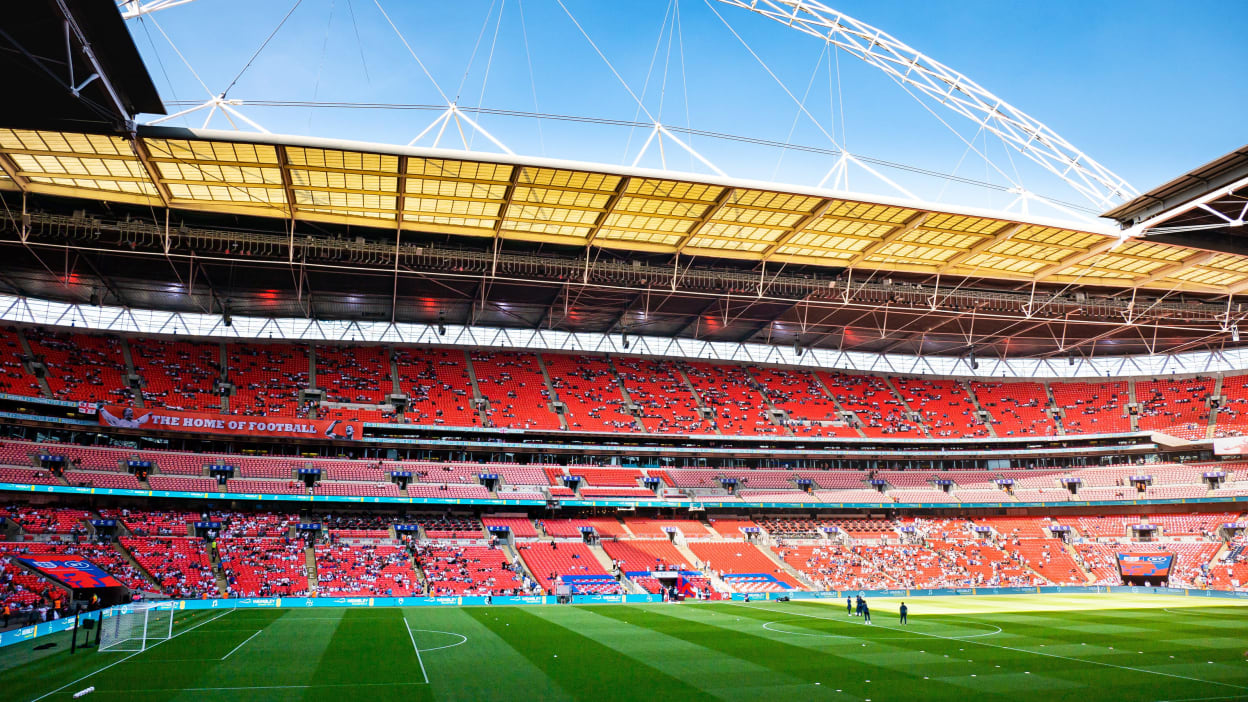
[[952, 89], [85, 317]]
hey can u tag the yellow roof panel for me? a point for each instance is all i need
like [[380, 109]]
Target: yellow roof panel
[[543, 201]]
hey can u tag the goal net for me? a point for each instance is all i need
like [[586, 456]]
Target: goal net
[[137, 627]]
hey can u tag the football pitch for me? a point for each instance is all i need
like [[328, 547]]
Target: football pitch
[[1052, 647]]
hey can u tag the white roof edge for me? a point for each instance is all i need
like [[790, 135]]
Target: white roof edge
[[162, 132]]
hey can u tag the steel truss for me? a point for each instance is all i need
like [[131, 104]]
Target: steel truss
[[952, 89]]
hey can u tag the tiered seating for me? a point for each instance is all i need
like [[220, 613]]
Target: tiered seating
[[263, 567], [1115, 527], [730, 528], [601, 477], [14, 380], [153, 523], [453, 492], [28, 476], [587, 386], [118, 481], [742, 559], [356, 374], [875, 405], [646, 555], [472, 570], [381, 570], [1232, 418], [102, 555], [569, 560], [343, 488], [179, 565], [944, 405], [860, 496], [450, 527], [866, 528], [516, 390], [836, 567], [810, 411], [1018, 527], [1017, 408], [981, 496], [265, 487], [181, 483], [46, 520], [82, 367], [178, 375], [921, 496], [730, 391], [1049, 558], [658, 528], [521, 527], [794, 527], [253, 524], [1178, 407], [267, 378], [668, 406], [1192, 524], [19, 586], [634, 492], [1175, 492], [1093, 408], [437, 386]]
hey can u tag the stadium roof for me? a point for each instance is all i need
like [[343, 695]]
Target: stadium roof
[[576, 204]]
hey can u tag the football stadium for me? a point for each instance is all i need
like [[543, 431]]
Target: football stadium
[[567, 351]]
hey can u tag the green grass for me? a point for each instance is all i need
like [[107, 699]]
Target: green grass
[[1079, 647]]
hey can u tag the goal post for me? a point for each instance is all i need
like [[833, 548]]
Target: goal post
[[137, 627]]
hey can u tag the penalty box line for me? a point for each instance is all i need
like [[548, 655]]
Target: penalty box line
[[1006, 648], [416, 648], [132, 655]]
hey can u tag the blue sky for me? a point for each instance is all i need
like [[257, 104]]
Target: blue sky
[[1149, 89]]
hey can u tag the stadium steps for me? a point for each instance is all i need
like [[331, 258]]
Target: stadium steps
[[683, 547], [762, 392], [970, 393], [1213, 413], [628, 399], [836, 403], [223, 359], [1074, 556], [395, 387], [131, 372], [909, 410], [513, 556], [550, 390], [313, 412], [478, 400], [607, 567], [1135, 418], [21, 340], [797, 575], [694, 391], [1056, 414], [309, 566], [134, 563]]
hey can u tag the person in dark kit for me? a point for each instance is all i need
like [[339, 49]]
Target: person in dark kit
[[849, 606], [904, 610], [861, 604], [866, 612]]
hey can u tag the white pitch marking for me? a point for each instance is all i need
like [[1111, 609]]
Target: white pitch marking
[[132, 655], [462, 639], [416, 648], [249, 638], [1011, 648], [767, 626]]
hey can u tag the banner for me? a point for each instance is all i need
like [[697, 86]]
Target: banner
[[1155, 565], [1231, 446], [229, 424], [74, 571]]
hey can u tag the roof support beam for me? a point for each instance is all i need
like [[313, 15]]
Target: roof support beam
[[507, 194], [695, 317], [153, 173], [1004, 233], [797, 229], [283, 165], [12, 171], [706, 218], [1166, 271], [1106, 245], [607, 209], [910, 225]]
